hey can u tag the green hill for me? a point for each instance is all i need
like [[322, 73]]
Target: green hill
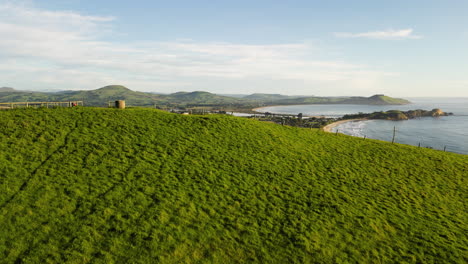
[[6, 89], [378, 99], [98, 97], [372, 100], [200, 98], [101, 97], [266, 97], [97, 185]]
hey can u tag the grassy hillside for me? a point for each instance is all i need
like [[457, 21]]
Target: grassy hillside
[[267, 97], [11, 95], [378, 99], [101, 96], [200, 98], [81, 185]]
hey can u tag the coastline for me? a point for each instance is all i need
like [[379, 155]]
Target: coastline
[[258, 108], [329, 127]]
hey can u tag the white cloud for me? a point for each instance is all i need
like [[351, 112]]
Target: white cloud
[[387, 34], [63, 49]]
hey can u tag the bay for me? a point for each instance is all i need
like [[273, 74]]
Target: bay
[[448, 132]]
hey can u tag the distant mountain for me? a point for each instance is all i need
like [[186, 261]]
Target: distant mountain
[[267, 97], [101, 97], [98, 97], [378, 99], [8, 94], [199, 97], [234, 95], [6, 89]]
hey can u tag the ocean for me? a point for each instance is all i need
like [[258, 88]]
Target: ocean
[[447, 132]]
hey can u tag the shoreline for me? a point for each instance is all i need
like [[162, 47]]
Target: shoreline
[[329, 127], [257, 108]]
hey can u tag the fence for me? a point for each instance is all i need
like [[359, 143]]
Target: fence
[[12, 105]]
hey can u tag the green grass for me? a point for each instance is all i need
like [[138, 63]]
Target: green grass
[[89, 185]]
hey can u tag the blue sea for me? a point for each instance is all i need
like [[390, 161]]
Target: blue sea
[[449, 132]]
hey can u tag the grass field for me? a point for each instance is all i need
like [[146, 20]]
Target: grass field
[[90, 185]]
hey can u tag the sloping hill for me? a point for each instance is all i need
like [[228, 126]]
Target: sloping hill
[[6, 89], [378, 99], [98, 97], [266, 97], [200, 98], [372, 100], [8, 94], [101, 185], [101, 97]]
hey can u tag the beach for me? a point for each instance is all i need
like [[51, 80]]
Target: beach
[[328, 128]]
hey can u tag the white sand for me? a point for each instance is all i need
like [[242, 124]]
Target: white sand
[[329, 127]]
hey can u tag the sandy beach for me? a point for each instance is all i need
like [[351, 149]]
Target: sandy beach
[[329, 127]]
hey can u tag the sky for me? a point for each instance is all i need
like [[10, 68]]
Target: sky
[[323, 48]]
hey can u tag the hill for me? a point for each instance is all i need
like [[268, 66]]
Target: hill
[[372, 100], [100, 185], [6, 89], [378, 99], [266, 97], [200, 98], [101, 97]]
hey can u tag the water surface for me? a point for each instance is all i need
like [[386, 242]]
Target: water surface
[[449, 132]]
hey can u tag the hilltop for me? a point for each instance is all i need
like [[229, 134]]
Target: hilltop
[[101, 97], [6, 89], [200, 98], [105, 185], [378, 99], [372, 100], [267, 97]]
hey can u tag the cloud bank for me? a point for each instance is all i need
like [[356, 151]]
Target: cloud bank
[[43, 49]]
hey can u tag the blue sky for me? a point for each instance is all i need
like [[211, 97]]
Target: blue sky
[[399, 48]]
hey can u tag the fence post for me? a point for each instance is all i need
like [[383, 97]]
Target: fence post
[[394, 132]]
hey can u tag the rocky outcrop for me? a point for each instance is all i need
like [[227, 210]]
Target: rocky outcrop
[[400, 115], [437, 112]]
